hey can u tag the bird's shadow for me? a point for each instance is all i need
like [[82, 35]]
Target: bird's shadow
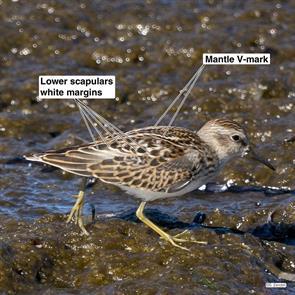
[[269, 231]]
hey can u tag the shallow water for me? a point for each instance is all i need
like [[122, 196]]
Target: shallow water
[[153, 48]]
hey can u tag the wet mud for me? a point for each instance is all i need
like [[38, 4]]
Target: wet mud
[[153, 48]]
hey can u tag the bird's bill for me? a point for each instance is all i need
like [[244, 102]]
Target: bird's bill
[[260, 159]]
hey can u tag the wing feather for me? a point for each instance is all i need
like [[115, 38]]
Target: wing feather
[[159, 163], [168, 174]]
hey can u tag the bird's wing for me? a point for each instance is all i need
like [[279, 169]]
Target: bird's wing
[[190, 162], [156, 163], [161, 173], [77, 158]]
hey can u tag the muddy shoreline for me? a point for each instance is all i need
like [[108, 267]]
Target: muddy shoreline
[[153, 48]]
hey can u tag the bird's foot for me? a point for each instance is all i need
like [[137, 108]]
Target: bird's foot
[[177, 239], [76, 213], [173, 241]]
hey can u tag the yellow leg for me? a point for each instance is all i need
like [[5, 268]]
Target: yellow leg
[[76, 213], [164, 235]]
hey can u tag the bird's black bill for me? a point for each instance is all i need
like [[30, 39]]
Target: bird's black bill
[[260, 159]]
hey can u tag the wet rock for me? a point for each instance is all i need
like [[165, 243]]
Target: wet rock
[[153, 48], [122, 255]]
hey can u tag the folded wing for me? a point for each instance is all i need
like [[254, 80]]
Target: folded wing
[[157, 163]]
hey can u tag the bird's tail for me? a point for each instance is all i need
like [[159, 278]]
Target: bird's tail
[[63, 161], [76, 159]]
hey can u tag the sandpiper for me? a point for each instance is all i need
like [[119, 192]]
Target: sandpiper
[[164, 162]]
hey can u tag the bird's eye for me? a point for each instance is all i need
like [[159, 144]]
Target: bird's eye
[[236, 137]]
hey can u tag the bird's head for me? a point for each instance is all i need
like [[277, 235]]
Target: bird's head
[[229, 140]]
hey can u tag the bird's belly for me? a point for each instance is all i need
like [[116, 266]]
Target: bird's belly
[[148, 195]]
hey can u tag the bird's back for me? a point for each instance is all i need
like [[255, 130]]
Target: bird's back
[[157, 159]]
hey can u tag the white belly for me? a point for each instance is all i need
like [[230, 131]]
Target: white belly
[[147, 195]]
